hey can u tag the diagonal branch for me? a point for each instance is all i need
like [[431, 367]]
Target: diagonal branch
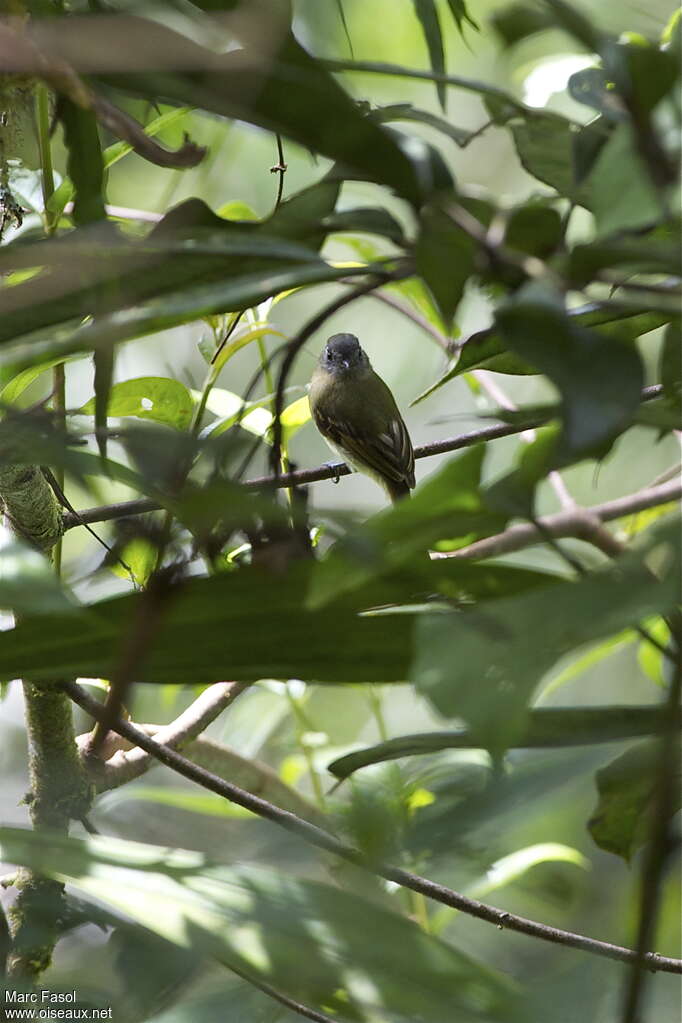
[[580, 523], [124, 765], [323, 840]]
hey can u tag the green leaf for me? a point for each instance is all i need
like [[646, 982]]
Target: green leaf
[[84, 164], [159, 398], [622, 818], [544, 143], [670, 366], [289, 93], [595, 89], [213, 627], [16, 386], [553, 727], [460, 13], [477, 664], [445, 260], [621, 193], [316, 953], [446, 506], [406, 112], [599, 378], [111, 155], [427, 13], [187, 304], [517, 21], [650, 658]]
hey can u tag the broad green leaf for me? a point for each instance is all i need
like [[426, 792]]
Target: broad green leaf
[[486, 349], [427, 13], [205, 803], [599, 378], [445, 260], [159, 398], [594, 656], [544, 143], [301, 937], [546, 727], [478, 664], [622, 818], [621, 193], [214, 629], [16, 386]]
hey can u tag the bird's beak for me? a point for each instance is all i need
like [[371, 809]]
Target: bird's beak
[[346, 363]]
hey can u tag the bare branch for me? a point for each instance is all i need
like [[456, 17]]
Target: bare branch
[[123, 766], [324, 840], [581, 523]]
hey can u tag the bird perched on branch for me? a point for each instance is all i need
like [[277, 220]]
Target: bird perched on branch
[[356, 414]]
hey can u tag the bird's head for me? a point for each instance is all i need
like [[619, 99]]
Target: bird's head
[[343, 354]]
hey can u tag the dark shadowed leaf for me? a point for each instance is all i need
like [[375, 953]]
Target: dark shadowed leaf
[[517, 21], [213, 630], [599, 378], [427, 12], [445, 261], [622, 818], [545, 727], [460, 13], [406, 112]]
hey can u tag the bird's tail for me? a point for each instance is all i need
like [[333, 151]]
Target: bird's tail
[[397, 490]]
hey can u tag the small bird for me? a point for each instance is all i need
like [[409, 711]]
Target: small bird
[[356, 414]]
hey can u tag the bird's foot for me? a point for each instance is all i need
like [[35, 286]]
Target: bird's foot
[[334, 466]]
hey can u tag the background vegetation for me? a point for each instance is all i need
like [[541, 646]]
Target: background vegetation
[[193, 196]]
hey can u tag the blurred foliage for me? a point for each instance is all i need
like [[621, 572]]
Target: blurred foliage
[[120, 221]]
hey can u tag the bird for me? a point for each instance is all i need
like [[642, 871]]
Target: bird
[[356, 413]]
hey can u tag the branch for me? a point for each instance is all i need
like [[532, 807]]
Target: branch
[[323, 840], [123, 766], [29, 503], [140, 506], [581, 523], [143, 505], [59, 791]]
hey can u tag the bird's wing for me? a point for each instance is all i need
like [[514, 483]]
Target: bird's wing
[[388, 453]]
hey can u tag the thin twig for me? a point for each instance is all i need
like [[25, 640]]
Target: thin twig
[[281, 169], [323, 840]]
